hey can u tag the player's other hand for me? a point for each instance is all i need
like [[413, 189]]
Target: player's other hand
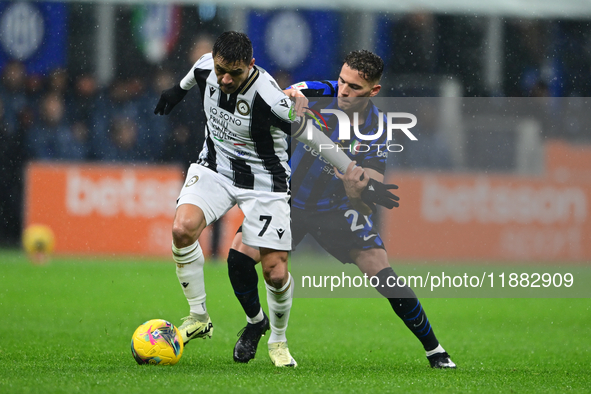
[[168, 99], [379, 193], [355, 182], [300, 100]]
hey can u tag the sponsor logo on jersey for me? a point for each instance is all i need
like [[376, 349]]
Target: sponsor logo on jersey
[[220, 122], [242, 154]]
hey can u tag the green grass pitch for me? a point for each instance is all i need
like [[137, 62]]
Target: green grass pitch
[[66, 327]]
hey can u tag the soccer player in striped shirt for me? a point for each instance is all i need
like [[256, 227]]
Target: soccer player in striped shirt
[[244, 162]]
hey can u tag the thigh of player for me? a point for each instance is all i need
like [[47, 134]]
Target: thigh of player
[[340, 232], [266, 219], [208, 191]]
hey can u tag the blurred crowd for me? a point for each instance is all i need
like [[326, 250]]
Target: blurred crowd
[[59, 118]]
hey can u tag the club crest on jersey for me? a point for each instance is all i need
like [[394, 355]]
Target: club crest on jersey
[[243, 107], [192, 181]]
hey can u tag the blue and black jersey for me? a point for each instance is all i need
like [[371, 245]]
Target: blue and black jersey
[[314, 185]]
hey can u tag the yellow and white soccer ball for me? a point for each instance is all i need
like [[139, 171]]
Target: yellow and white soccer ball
[[157, 342], [39, 242]]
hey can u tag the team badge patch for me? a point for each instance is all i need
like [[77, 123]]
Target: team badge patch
[[243, 107], [192, 181]]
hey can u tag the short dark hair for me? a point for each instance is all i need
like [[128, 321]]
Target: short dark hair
[[369, 65], [232, 47]]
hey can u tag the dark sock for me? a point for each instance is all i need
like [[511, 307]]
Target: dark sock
[[407, 306], [244, 279]]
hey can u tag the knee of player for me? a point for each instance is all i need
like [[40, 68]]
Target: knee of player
[[275, 277], [183, 233]]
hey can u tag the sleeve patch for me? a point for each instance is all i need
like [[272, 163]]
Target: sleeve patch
[[300, 85]]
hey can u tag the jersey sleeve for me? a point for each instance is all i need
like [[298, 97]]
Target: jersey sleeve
[[316, 88], [376, 162], [321, 143], [283, 113], [377, 157], [198, 73]]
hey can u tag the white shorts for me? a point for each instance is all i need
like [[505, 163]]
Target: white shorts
[[267, 221]]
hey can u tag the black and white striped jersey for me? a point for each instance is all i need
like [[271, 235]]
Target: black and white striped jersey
[[245, 131]]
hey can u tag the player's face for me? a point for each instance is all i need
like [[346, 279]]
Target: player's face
[[231, 75], [351, 86]]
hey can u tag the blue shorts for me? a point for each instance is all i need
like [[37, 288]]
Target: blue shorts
[[338, 232]]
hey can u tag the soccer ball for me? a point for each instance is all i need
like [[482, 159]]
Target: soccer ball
[[157, 342], [38, 242], [38, 238]]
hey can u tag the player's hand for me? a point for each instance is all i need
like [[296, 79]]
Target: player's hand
[[379, 193], [355, 182], [300, 100], [168, 99]]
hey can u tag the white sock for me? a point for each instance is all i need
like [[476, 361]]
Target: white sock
[[279, 301], [189, 269], [438, 349], [257, 319]]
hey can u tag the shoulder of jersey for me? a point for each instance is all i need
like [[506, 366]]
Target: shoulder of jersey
[[205, 62], [325, 88], [267, 87]]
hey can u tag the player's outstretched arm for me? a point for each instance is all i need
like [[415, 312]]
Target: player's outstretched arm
[[168, 99], [312, 136]]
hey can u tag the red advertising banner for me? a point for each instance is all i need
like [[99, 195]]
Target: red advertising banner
[[448, 217], [110, 209], [496, 217]]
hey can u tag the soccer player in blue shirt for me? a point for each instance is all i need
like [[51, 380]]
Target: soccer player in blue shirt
[[325, 202]]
